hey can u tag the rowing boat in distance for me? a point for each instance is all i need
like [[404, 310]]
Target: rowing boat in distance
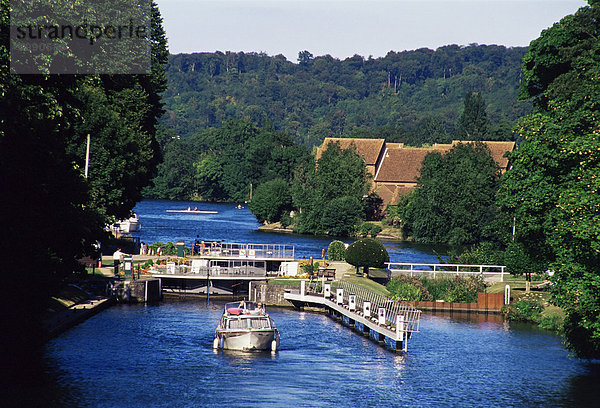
[[191, 211]]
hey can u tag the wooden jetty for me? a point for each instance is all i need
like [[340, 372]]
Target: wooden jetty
[[387, 322]]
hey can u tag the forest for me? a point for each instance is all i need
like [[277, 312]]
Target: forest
[[281, 110], [409, 96]]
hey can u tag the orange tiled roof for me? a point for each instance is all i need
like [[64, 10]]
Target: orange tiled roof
[[403, 165], [369, 149]]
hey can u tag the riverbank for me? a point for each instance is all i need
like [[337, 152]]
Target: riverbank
[[388, 233]]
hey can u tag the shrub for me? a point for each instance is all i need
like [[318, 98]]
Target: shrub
[[523, 310], [455, 289], [336, 251], [367, 252], [408, 288]]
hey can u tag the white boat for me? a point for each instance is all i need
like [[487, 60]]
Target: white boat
[[131, 224], [188, 211], [245, 326]]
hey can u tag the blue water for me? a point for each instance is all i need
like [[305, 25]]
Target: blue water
[[161, 356], [233, 225]]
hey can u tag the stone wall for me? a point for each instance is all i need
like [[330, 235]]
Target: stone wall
[[271, 295]]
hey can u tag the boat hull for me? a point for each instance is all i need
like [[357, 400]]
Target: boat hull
[[248, 340]]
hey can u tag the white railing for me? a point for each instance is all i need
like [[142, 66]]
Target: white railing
[[239, 250], [393, 308], [490, 273]]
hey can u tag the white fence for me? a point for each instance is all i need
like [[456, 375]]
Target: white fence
[[490, 273]]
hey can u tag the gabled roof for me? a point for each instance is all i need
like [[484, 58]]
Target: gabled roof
[[369, 149]]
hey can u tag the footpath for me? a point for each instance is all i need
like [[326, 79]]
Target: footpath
[[75, 305]]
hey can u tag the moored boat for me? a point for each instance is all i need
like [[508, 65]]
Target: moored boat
[[245, 326]]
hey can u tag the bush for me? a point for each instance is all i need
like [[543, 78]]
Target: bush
[[404, 287], [368, 228], [524, 311], [367, 252], [457, 289], [336, 251]]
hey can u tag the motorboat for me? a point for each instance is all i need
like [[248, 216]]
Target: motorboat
[[245, 326], [193, 211]]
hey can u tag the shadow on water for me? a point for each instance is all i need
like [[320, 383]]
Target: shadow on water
[[582, 390], [37, 382]]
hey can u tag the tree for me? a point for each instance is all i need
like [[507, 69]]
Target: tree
[[473, 122], [321, 186], [305, 58], [50, 213], [336, 251], [367, 253], [552, 189], [341, 215], [271, 201], [454, 198]]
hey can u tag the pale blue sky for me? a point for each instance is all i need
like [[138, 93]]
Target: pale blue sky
[[343, 28]]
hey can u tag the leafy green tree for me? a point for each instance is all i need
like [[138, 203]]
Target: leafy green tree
[[552, 189], [454, 198], [336, 251], [341, 215], [367, 253], [271, 201], [44, 122], [473, 123], [338, 174]]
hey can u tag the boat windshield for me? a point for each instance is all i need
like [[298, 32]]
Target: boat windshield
[[250, 323]]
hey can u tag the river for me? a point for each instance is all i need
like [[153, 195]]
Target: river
[[161, 355], [233, 225]]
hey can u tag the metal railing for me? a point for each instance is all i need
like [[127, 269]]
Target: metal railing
[[239, 250], [490, 273], [212, 271], [393, 308]]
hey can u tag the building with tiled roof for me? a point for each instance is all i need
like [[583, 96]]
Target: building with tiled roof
[[370, 149], [396, 168]]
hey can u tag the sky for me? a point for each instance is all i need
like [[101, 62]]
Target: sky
[[343, 28]]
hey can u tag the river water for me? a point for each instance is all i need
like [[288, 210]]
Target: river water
[[161, 355], [240, 226]]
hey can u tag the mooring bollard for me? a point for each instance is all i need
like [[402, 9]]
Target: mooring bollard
[[507, 294], [302, 287], [367, 309], [327, 290], [340, 296], [352, 302], [381, 315]]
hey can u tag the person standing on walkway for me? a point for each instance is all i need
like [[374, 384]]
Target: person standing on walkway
[[117, 258]]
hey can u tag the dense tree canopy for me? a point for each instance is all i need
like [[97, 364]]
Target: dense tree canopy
[[51, 214], [221, 164], [337, 182], [553, 189], [473, 122], [454, 198], [416, 95], [271, 201]]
